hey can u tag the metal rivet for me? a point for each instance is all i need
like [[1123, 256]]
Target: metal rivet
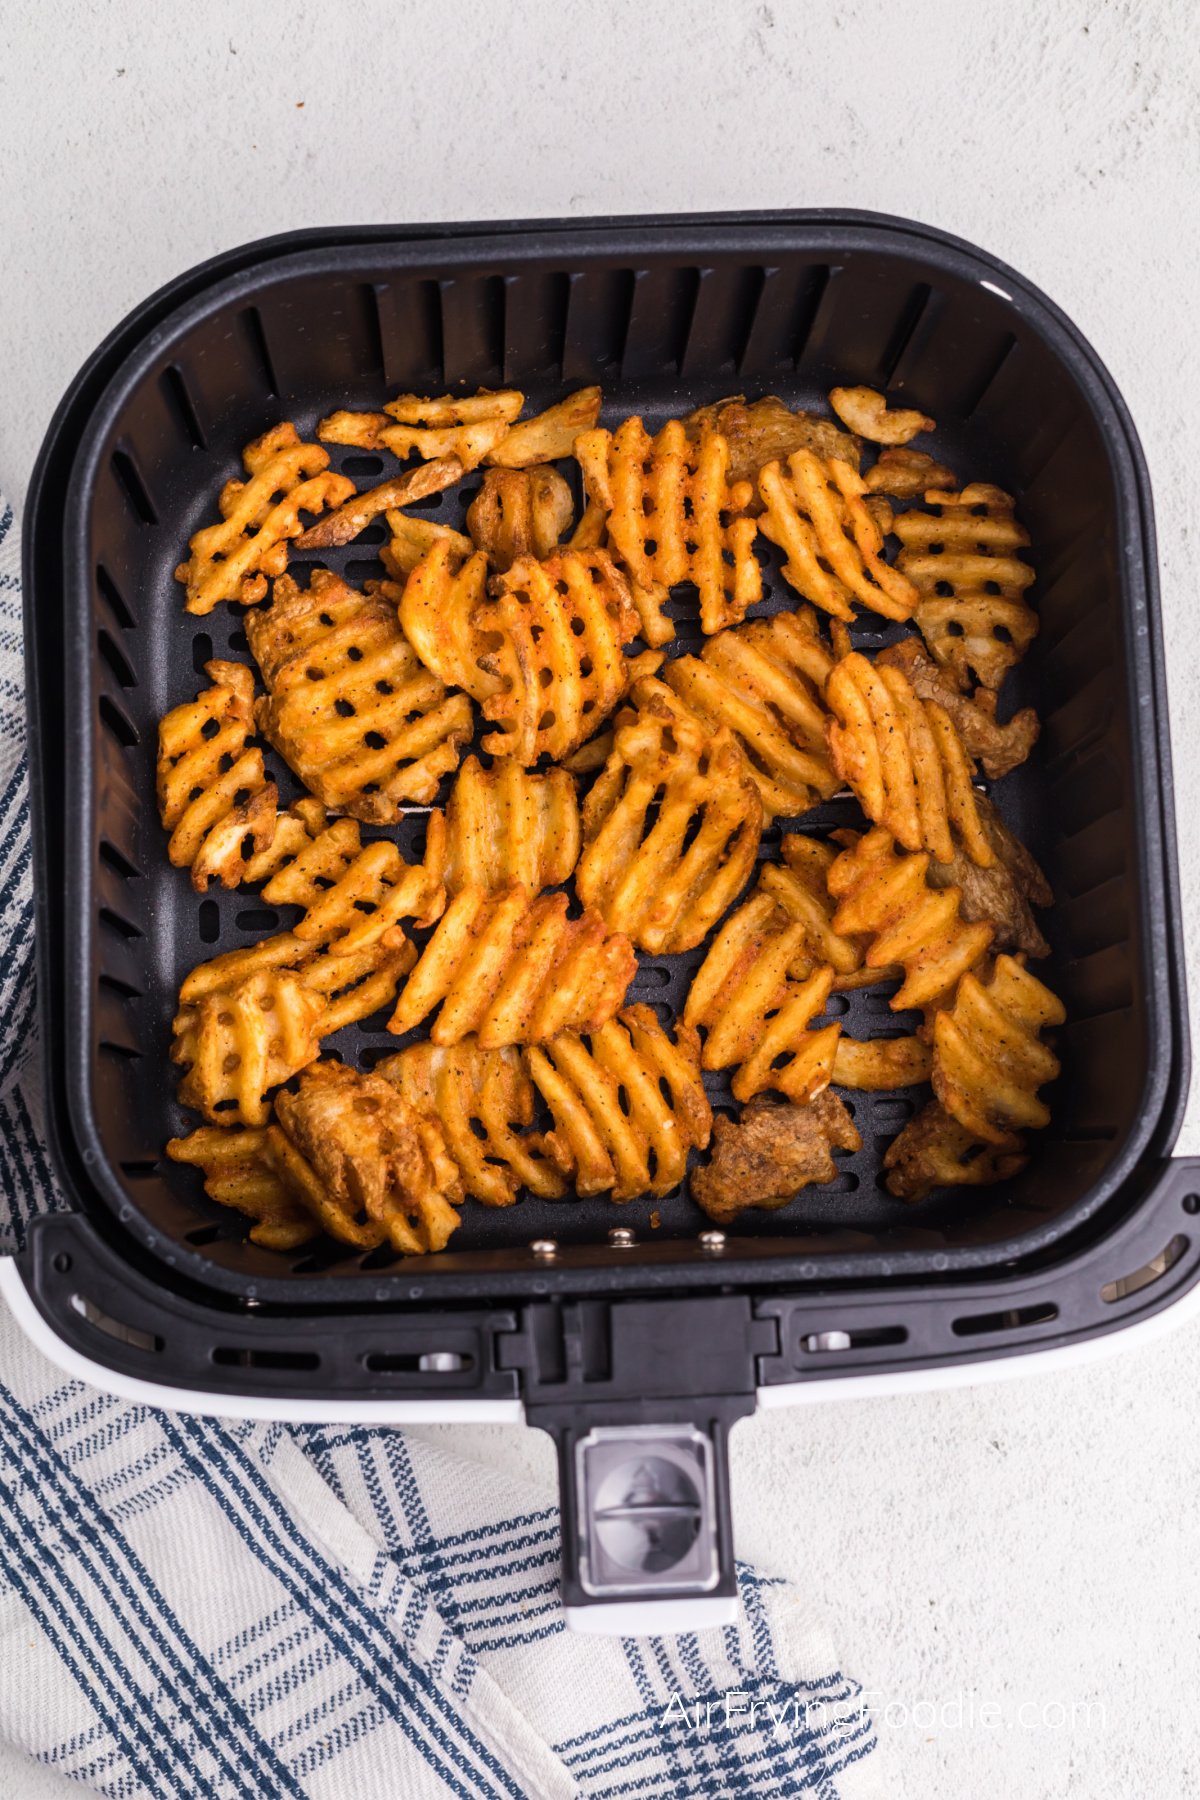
[[544, 1247], [621, 1238], [711, 1240]]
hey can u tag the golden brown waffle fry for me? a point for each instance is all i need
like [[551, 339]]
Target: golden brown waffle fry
[[232, 560], [879, 1064], [833, 546], [506, 825], [886, 897], [548, 434], [484, 1102], [768, 431], [907, 474], [627, 1105], [764, 681], [515, 973], [558, 630], [999, 748], [799, 888], [431, 429], [865, 412], [365, 1163], [770, 1153], [666, 880], [349, 706], [213, 793], [989, 1060], [935, 1151], [238, 1043], [437, 612], [903, 759], [304, 820], [413, 539], [346, 521], [353, 984], [354, 894], [960, 554], [673, 515], [238, 1173], [519, 512]]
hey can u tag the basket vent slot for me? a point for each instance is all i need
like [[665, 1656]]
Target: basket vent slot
[[114, 1328], [1149, 1273], [429, 1362], [821, 1343], [980, 1324], [118, 862], [129, 480], [1007, 345], [115, 599], [256, 335], [115, 659], [121, 728], [237, 1356], [181, 405]]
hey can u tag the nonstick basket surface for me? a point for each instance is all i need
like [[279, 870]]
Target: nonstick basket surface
[[664, 317]]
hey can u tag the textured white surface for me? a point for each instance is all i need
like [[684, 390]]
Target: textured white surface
[[1033, 1542]]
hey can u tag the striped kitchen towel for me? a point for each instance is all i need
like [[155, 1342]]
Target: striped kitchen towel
[[200, 1610]]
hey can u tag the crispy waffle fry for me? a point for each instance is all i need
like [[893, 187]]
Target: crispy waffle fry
[[627, 1106], [515, 973], [673, 515], [887, 897], [349, 706], [213, 793], [866, 413], [437, 612], [999, 748], [238, 1043], [908, 474], [355, 894], [960, 554], [506, 825], [484, 1102], [238, 1173], [768, 431], [764, 681], [770, 1153], [304, 820], [549, 434], [519, 512], [879, 1064], [346, 521], [413, 539], [232, 560], [666, 881], [800, 889], [989, 1060], [466, 428], [903, 759], [935, 1151], [558, 631], [832, 544], [365, 1163]]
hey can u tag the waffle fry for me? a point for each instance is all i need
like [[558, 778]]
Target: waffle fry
[[799, 886], [515, 973], [238, 1043], [559, 629], [764, 681], [506, 825], [304, 820], [989, 1060], [903, 759], [768, 431], [866, 413], [886, 897], [466, 428], [879, 1064], [349, 706], [935, 1151], [484, 1102], [438, 607], [665, 882], [548, 434], [238, 1173], [673, 515], [353, 894], [960, 555], [833, 546], [213, 793], [353, 984], [232, 560], [627, 1106], [999, 748], [366, 1164], [519, 512], [413, 539], [908, 474], [345, 522], [770, 1153]]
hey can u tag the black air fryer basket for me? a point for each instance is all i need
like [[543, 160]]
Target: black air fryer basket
[[628, 1337]]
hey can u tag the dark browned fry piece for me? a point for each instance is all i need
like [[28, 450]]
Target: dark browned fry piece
[[1003, 894], [999, 748], [771, 1153], [346, 521]]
